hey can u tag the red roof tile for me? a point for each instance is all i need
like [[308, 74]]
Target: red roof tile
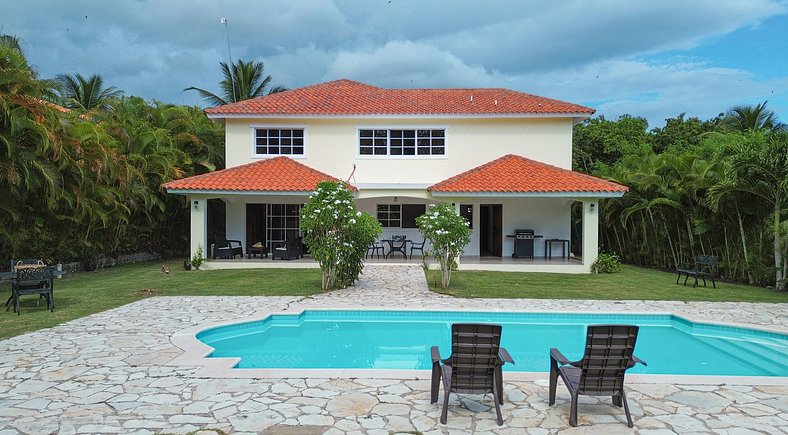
[[278, 174], [346, 97], [516, 174]]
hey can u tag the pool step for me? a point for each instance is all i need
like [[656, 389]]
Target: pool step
[[767, 359]]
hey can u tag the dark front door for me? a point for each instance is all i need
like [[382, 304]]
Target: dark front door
[[256, 224], [491, 230]]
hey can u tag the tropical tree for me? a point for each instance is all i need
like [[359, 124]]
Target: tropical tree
[[337, 234], [242, 81], [78, 92], [757, 165], [751, 118]]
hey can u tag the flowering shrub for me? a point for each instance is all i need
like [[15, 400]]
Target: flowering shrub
[[448, 233], [337, 234]]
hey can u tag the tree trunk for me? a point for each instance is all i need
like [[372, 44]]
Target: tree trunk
[[744, 247], [779, 283]]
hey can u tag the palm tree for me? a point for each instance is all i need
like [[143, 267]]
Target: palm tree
[[756, 166], [242, 81], [752, 118], [78, 92]]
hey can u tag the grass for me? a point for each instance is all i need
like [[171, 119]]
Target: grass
[[632, 283], [82, 294]]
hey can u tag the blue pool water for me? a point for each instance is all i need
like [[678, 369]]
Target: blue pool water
[[401, 340]]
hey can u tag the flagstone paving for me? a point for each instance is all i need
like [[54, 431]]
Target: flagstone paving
[[110, 373]]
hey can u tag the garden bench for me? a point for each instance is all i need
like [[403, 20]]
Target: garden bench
[[704, 266]]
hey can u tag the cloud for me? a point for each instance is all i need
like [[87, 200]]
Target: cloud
[[408, 64], [608, 54]]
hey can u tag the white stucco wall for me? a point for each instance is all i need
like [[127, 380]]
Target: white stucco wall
[[331, 146]]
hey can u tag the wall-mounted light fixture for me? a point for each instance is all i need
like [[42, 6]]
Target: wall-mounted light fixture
[[592, 206], [196, 204], [396, 199]]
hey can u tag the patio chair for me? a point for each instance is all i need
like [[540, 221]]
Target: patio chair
[[33, 281], [417, 247], [608, 354], [290, 249], [398, 244], [474, 366], [376, 248], [224, 248]]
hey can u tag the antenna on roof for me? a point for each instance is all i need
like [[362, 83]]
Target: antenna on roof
[[223, 20]]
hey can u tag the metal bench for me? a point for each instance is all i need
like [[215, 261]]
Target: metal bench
[[704, 266]]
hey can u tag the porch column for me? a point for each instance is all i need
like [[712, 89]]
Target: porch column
[[199, 226], [456, 206], [590, 232]]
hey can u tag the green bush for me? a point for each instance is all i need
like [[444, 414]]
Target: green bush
[[448, 234], [337, 234], [606, 263]]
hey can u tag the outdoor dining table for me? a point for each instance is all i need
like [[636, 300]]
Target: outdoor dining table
[[391, 243]]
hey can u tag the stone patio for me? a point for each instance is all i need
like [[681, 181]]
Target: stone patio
[[113, 373]]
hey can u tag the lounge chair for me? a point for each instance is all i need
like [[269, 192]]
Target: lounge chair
[[291, 249], [224, 248], [474, 366], [608, 354]]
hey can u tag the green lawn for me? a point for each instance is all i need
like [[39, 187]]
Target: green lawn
[[631, 283], [82, 294]]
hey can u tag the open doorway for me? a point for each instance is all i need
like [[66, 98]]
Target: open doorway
[[490, 230]]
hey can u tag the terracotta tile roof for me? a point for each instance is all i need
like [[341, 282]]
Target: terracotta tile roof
[[278, 174], [346, 97], [516, 174]]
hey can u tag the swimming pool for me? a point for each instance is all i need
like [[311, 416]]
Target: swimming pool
[[327, 339]]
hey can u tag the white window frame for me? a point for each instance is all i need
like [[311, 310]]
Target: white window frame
[[255, 127], [388, 155]]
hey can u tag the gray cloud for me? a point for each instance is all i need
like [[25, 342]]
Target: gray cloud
[[593, 53]]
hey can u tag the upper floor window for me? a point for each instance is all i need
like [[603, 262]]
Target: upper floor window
[[402, 142], [279, 141]]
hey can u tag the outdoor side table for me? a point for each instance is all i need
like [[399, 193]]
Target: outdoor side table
[[548, 247]]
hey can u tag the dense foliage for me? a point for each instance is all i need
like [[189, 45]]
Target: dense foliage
[[448, 233], [81, 185], [717, 187], [337, 234]]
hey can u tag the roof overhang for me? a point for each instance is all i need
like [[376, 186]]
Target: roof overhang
[[238, 192], [529, 194], [576, 117]]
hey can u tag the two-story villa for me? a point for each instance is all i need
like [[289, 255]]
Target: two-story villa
[[503, 158]]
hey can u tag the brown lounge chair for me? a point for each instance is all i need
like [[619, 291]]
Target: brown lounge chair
[[474, 366], [608, 354]]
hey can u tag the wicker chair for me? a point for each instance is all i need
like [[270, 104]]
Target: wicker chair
[[608, 354], [474, 366]]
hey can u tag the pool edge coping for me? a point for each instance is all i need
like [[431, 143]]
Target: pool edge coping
[[195, 352]]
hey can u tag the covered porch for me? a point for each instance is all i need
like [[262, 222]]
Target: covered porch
[[499, 199]]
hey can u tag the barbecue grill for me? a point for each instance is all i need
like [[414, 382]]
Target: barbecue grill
[[524, 243]]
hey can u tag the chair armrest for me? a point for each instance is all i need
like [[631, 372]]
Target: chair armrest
[[503, 354], [558, 356], [638, 360], [238, 242], [435, 353]]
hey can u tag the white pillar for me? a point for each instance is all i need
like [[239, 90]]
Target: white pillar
[[456, 205], [590, 232], [199, 226]]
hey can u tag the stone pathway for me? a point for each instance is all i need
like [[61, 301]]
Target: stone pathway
[[110, 373]]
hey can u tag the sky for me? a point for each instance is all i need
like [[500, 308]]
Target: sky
[[654, 59]]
